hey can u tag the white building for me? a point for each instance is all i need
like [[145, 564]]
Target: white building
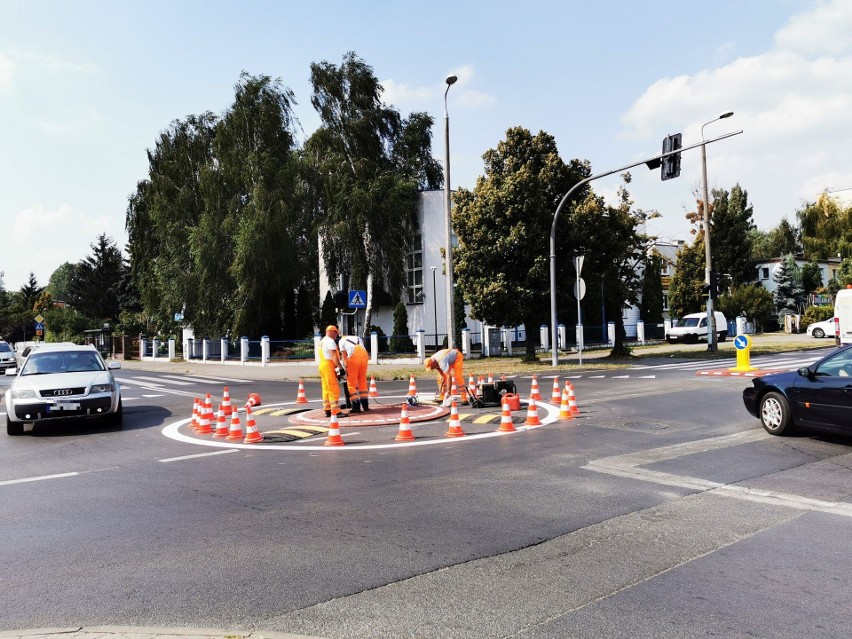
[[765, 274]]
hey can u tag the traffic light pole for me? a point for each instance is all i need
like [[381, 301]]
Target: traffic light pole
[[652, 163]]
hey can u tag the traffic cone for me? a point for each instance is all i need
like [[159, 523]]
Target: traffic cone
[[253, 400], [204, 427], [490, 378], [564, 406], [532, 414], [221, 424], [334, 438], [506, 425], [455, 423], [454, 390], [196, 418], [252, 433], [556, 395], [373, 391], [534, 392], [235, 432], [301, 398], [227, 407], [405, 434], [412, 386], [572, 401]]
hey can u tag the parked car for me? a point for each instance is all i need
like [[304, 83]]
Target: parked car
[[819, 395], [693, 327], [62, 382], [821, 329], [7, 355]]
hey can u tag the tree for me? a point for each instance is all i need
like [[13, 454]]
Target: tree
[[93, 291], [781, 240], [503, 226], [685, 289], [730, 238], [811, 277], [789, 295], [365, 166], [328, 312], [400, 341], [651, 307], [826, 228], [59, 284], [30, 293], [751, 301], [844, 273]]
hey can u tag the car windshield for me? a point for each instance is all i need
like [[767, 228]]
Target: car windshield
[[5, 348], [688, 321], [67, 362]]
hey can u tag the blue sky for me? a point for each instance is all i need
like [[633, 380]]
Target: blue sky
[[86, 86]]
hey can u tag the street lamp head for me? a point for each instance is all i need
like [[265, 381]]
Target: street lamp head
[[451, 79], [726, 114]]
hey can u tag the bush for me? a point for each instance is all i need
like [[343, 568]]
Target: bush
[[817, 314]]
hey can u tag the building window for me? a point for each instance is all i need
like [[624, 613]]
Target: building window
[[665, 300], [764, 273], [414, 274]]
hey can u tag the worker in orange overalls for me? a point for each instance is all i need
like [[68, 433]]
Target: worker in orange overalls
[[355, 358], [330, 368], [446, 362]]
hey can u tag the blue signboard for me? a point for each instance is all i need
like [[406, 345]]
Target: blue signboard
[[357, 299]]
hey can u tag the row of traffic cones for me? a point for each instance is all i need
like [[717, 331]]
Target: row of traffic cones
[[203, 420]]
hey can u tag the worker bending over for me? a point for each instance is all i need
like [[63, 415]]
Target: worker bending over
[[355, 358], [447, 364]]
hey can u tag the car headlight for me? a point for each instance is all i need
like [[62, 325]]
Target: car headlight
[[26, 393], [101, 388]]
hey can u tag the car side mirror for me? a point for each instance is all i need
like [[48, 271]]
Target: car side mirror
[[806, 372], [113, 365], [11, 372]]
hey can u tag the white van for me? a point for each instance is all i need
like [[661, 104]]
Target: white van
[[843, 315], [693, 327]]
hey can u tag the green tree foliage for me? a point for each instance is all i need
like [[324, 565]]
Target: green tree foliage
[[503, 227], [751, 301], [844, 273], [789, 296], [826, 228], [328, 312], [651, 307], [64, 324], [30, 293], [782, 240], [817, 314], [730, 238], [94, 288], [685, 289], [811, 277], [400, 341], [59, 284], [366, 165]]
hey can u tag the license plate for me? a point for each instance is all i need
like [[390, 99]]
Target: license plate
[[58, 406]]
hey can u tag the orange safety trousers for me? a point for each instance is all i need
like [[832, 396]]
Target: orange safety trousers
[[330, 388], [356, 374]]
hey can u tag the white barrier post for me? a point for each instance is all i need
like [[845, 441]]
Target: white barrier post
[[610, 333], [172, 348], [223, 349], [244, 349], [374, 347], [317, 338], [466, 341], [421, 345], [143, 344], [205, 349], [640, 332], [544, 336], [264, 350], [562, 340]]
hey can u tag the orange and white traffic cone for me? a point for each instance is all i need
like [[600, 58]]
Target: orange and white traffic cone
[[252, 433], [412, 386], [532, 414], [334, 438], [196, 418], [534, 392], [253, 400], [454, 390], [572, 401], [204, 427], [405, 434], [556, 395], [227, 407], [221, 424], [490, 378], [471, 386], [564, 406], [455, 423], [235, 432], [301, 398], [373, 391], [506, 425]]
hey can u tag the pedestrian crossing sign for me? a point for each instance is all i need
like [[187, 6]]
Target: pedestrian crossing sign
[[357, 299]]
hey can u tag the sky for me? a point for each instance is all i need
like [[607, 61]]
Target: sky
[[87, 86]]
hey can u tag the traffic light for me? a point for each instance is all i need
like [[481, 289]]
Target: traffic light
[[670, 167], [711, 290], [341, 299]]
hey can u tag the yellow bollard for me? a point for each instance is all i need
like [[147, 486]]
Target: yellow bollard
[[743, 345]]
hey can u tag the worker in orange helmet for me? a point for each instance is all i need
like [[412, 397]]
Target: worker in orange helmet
[[446, 363], [330, 368], [356, 358]]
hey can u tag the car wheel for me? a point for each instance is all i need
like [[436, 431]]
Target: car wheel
[[14, 428], [775, 414], [819, 333]]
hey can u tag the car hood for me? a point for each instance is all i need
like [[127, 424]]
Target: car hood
[[776, 379], [62, 380]]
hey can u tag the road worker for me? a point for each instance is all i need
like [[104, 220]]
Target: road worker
[[330, 368], [355, 358], [447, 364]]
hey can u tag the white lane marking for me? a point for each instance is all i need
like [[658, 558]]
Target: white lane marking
[[127, 380], [183, 457], [9, 482], [144, 395], [628, 466], [209, 379], [159, 380], [172, 432]]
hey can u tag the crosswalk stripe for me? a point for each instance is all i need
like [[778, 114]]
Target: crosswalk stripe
[[210, 379], [159, 380]]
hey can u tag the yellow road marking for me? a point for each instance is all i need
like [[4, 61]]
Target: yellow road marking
[[484, 419]]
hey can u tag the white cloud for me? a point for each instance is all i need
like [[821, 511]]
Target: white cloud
[[7, 70], [793, 103], [403, 95]]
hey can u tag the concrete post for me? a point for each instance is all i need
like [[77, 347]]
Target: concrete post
[[143, 345], [610, 333], [421, 345], [172, 349], [223, 349], [244, 349], [155, 347], [374, 347], [264, 350], [465, 345], [640, 332], [544, 336], [579, 337], [205, 349], [317, 338], [562, 337]]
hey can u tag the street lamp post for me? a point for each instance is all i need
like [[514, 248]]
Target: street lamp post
[[711, 317], [435, 306], [448, 240]]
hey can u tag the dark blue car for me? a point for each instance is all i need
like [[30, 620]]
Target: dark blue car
[[819, 396]]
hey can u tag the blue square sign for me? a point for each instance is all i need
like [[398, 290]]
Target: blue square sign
[[357, 299]]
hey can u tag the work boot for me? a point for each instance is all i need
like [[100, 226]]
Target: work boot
[[356, 407], [364, 405], [342, 415], [328, 413]]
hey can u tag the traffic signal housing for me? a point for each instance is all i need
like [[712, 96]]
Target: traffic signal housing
[[711, 290], [670, 167]]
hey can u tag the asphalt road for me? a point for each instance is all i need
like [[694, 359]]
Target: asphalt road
[[663, 511]]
